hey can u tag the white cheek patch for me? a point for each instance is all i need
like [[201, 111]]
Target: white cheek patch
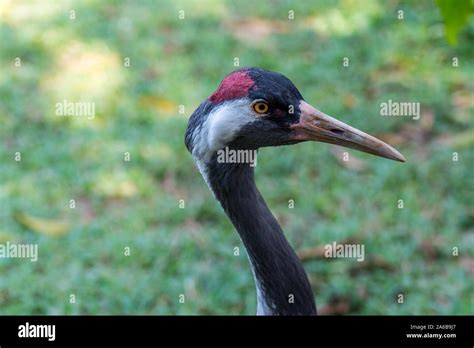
[[225, 122], [221, 127]]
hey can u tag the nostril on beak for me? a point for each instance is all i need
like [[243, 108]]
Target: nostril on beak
[[337, 131]]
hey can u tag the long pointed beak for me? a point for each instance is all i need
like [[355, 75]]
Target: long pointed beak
[[317, 126]]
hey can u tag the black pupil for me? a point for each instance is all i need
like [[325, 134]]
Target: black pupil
[[261, 107]]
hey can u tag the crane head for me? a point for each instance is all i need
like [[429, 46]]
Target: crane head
[[254, 108]]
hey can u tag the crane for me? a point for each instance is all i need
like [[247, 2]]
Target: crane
[[254, 108]]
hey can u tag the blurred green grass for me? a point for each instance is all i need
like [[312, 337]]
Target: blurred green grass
[[191, 251]]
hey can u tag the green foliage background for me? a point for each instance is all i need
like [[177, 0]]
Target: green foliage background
[[190, 251], [455, 14]]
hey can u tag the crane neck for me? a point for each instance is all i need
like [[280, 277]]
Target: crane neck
[[282, 285]]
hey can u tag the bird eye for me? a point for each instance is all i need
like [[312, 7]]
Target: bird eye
[[261, 107]]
